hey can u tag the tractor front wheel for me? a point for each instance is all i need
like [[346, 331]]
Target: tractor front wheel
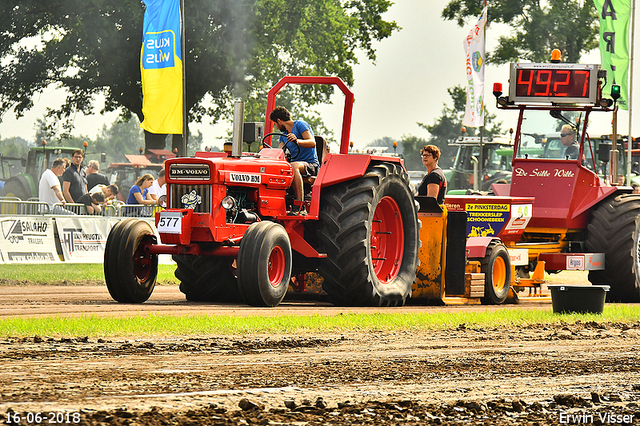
[[130, 270], [615, 231], [264, 264], [496, 267]]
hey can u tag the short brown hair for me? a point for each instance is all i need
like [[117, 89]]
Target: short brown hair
[[431, 149], [281, 113], [59, 162]]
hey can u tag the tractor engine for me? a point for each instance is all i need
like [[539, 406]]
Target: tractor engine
[[222, 194]]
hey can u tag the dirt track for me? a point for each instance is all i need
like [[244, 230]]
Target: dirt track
[[536, 375]]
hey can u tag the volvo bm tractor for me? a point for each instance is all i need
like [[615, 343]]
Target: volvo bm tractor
[[229, 227]]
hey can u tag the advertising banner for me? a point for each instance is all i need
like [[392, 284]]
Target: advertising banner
[[614, 44], [83, 239], [474, 49], [27, 240], [161, 67]]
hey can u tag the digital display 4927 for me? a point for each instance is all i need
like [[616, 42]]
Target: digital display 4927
[[553, 83]]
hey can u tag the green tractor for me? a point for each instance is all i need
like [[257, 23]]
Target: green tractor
[[467, 174], [25, 185]]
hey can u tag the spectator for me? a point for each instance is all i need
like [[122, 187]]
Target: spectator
[[75, 178], [67, 163], [49, 190], [434, 184], [139, 194], [110, 192], [92, 202], [94, 177]]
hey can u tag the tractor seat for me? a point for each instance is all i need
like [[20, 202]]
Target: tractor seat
[[321, 149]]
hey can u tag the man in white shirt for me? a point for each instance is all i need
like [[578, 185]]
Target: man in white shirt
[[158, 188], [49, 190]]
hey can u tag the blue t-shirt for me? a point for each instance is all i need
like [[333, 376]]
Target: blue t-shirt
[[299, 153], [131, 199]]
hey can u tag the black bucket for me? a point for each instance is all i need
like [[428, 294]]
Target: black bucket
[[581, 299]]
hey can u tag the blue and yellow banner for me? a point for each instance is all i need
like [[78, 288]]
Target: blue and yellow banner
[[161, 67], [614, 44]]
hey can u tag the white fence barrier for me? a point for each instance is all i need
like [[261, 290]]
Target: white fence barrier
[[33, 233]]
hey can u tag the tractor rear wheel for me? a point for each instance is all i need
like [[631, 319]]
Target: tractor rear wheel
[[264, 264], [16, 187], [615, 231], [496, 267], [369, 231], [130, 270], [207, 278]]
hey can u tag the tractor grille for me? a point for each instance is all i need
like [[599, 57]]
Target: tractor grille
[[186, 196]]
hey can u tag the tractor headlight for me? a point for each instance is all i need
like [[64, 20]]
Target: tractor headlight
[[229, 203]]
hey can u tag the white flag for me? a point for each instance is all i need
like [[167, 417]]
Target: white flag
[[474, 48]]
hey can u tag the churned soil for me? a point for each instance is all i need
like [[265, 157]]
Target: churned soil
[[493, 376], [573, 373]]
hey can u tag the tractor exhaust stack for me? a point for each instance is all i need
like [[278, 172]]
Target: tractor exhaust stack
[[238, 129]]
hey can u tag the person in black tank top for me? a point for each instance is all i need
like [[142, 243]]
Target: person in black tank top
[[434, 183]]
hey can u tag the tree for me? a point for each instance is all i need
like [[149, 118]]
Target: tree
[[235, 48], [448, 127], [537, 27]]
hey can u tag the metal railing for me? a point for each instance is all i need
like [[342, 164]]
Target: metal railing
[[13, 206]]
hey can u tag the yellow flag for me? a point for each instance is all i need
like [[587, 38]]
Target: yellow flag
[[161, 67]]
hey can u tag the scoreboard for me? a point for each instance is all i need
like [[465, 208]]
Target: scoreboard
[[553, 83]]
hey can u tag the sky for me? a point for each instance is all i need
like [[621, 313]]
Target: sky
[[406, 85]]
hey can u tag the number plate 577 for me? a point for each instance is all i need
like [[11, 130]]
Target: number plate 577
[[170, 222]]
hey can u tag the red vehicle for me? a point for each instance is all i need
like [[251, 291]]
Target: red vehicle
[[229, 228], [579, 221]]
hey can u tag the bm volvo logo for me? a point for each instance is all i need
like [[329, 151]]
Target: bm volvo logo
[[191, 200], [189, 171]]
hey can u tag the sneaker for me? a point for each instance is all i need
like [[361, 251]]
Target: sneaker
[[298, 209]]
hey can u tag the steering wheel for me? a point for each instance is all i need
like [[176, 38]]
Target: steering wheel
[[265, 144]]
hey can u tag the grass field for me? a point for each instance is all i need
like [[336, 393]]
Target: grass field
[[68, 274], [171, 325]]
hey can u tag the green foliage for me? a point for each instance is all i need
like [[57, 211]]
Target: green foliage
[[537, 27], [411, 146], [14, 147], [235, 48], [444, 130]]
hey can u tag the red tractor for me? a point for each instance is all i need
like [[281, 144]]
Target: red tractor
[[228, 227], [579, 220]]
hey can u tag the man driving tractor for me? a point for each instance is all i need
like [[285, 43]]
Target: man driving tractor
[[300, 142]]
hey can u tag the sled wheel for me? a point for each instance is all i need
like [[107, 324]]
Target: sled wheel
[[264, 264], [497, 274], [132, 269], [207, 278], [369, 230], [615, 231]]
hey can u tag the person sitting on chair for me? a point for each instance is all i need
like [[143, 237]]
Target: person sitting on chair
[[568, 139], [299, 140]]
